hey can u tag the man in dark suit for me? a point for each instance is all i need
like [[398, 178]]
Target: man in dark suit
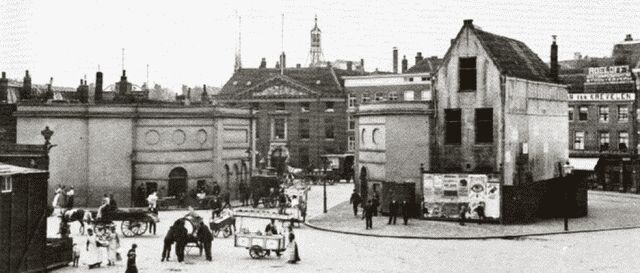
[[355, 200], [404, 208], [393, 212], [367, 214]]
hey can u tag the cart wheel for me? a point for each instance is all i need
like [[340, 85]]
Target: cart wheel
[[226, 232], [142, 228], [128, 228], [256, 252], [216, 232]]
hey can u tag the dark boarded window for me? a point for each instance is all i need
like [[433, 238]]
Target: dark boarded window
[[304, 129], [467, 74], [453, 126], [328, 128], [484, 125]]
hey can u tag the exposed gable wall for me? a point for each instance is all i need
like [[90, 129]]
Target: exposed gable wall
[[487, 95]]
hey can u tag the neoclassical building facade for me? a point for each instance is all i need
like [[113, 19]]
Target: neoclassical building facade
[[122, 148]]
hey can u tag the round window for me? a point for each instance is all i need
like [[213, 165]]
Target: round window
[[152, 137], [179, 137], [201, 136]]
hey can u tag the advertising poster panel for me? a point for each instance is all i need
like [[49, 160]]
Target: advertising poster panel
[[444, 194]]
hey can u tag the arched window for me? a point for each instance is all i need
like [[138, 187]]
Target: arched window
[[227, 174], [375, 136], [362, 137], [236, 171]]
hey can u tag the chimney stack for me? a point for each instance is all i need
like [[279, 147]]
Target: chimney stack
[[4, 87], [187, 98], [628, 38], [419, 57], [98, 90], [405, 64], [83, 92], [263, 63], [362, 64], [468, 22], [298, 66], [553, 69], [349, 66], [577, 56], [277, 65], [123, 85], [49, 94], [26, 87], [204, 98], [395, 60], [283, 60]]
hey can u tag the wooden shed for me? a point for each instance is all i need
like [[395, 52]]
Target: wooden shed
[[23, 219]]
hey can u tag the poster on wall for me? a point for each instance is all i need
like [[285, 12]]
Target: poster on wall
[[444, 194]]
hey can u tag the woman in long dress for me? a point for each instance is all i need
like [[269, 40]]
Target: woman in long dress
[[92, 258], [114, 245], [292, 250]]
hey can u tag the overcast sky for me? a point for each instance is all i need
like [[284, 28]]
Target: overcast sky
[[193, 42]]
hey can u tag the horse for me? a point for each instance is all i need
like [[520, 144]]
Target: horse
[[79, 215]]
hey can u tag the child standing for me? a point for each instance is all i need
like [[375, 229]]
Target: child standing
[[75, 255]]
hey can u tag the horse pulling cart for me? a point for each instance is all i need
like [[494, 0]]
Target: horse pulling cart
[[135, 221]]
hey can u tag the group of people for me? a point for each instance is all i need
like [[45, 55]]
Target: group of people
[[63, 199], [99, 249], [370, 209], [179, 235], [109, 205]]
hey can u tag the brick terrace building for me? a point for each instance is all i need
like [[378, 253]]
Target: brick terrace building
[[301, 113]]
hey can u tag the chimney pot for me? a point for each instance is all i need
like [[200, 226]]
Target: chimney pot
[[26, 73], [419, 57], [468, 22], [405, 64], [349, 65], [553, 64], [124, 73], [628, 38], [263, 63], [298, 66], [395, 60], [4, 74]]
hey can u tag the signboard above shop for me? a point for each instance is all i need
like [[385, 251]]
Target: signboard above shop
[[609, 75], [602, 97]]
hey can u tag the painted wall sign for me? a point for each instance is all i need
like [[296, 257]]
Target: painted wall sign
[[609, 74], [602, 97]]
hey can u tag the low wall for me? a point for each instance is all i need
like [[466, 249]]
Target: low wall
[[553, 198]]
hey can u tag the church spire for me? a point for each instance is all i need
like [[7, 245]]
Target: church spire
[[315, 53]]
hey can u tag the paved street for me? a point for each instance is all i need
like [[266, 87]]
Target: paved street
[[320, 251]]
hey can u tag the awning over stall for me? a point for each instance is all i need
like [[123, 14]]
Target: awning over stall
[[584, 164]]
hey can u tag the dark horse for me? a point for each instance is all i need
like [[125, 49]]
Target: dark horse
[[79, 215]]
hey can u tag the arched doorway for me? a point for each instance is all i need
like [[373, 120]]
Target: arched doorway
[[363, 182], [177, 182], [227, 175]]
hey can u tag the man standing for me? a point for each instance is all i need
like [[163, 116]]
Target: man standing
[[282, 202], [404, 207], [180, 235], [168, 241], [70, 195], [205, 237], [152, 201], [216, 189], [227, 199], [242, 190], [376, 203], [393, 212], [355, 201], [480, 211], [367, 214], [131, 260], [463, 214]]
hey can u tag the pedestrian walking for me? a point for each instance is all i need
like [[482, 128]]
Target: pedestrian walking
[[180, 235], [70, 197], [480, 211], [168, 241], [227, 199], [404, 208], [463, 214], [292, 254], [282, 202], [152, 202], [393, 212], [205, 237], [376, 203], [367, 214], [355, 201], [112, 247], [131, 260]]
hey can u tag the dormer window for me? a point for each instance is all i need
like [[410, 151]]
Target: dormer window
[[467, 74]]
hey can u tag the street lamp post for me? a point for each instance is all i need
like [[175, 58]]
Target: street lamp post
[[324, 185]]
